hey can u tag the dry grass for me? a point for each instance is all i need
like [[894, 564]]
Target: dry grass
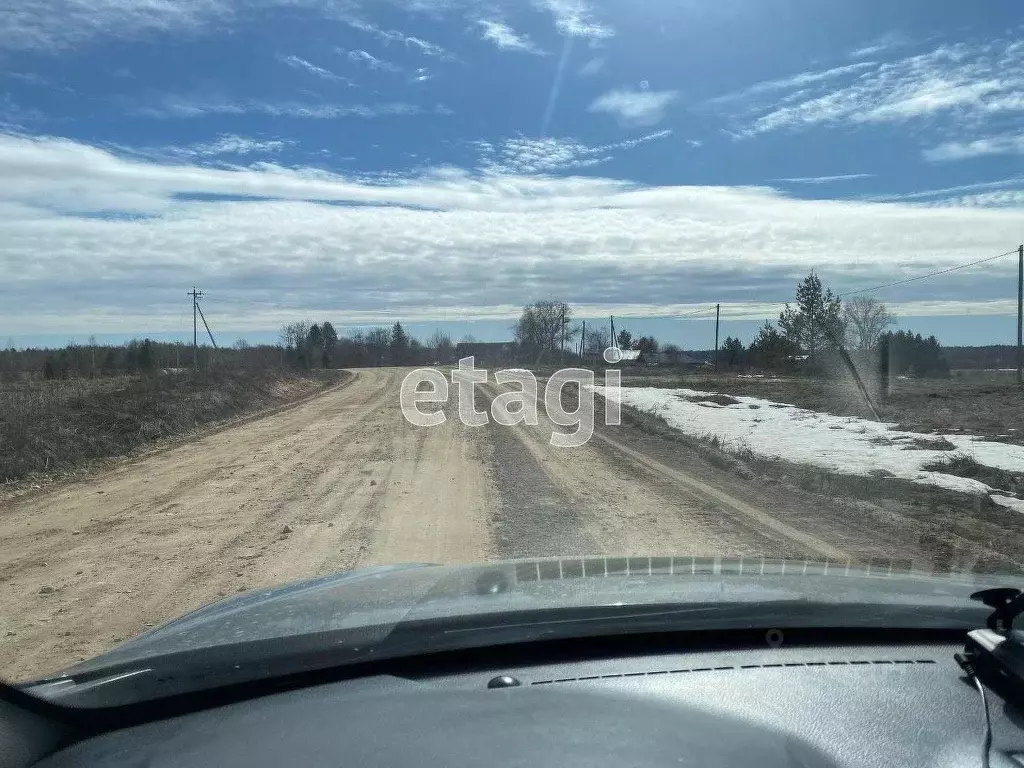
[[58, 426], [964, 465]]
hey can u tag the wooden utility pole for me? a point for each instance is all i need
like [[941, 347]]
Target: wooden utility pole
[[718, 308], [195, 327], [1020, 314], [562, 351], [615, 342], [583, 338]]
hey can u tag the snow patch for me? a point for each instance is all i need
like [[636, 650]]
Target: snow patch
[[839, 444], [1017, 505]]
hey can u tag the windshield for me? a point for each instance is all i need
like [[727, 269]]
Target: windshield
[[720, 292]]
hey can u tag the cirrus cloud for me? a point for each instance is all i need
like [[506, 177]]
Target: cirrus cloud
[[967, 83], [1005, 144]]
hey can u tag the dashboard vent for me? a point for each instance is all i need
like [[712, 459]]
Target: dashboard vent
[[547, 569], [655, 673]]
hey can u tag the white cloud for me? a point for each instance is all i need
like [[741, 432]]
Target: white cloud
[[886, 42], [232, 144], [32, 78], [952, 193], [14, 117], [388, 36], [531, 156], [573, 19], [506, 38], [109, 237], [56, 25], [592, 67], [187, 107], [368, 60], [296, 63], [61, 24], [225, 144], [634, 107], [1007, 144], [965, 83], [1002, 199], [794, 81], [826, 179]]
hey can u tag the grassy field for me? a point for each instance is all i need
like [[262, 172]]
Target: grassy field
[[50, 428], [989, 404]]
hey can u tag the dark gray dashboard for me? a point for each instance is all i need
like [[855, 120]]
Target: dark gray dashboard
[[903, 705]]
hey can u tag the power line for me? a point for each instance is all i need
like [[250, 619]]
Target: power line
[[706, 313], [679, 315], [930, 274]]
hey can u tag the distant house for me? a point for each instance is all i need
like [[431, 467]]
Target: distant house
[[672, 357], [486, 351]]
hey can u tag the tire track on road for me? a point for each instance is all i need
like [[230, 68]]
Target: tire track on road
[[629, 503], [758, 519]]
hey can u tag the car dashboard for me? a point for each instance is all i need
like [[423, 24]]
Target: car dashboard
[[890, 704]]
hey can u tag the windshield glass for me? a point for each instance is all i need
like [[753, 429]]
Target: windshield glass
[[720, 292]]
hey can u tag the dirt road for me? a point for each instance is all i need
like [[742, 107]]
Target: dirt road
[[343, 481]]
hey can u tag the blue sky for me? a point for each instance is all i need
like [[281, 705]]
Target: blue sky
[[447, 161]]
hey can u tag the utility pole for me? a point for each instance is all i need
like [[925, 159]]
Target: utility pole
[[583, 338], [718, 308], [562, 351], [195, 328], [615, 342], [1020, 314]]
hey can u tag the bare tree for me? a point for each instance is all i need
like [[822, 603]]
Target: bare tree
[[377, 341], [865, 320], [597, 341], [543, 328], [439, 340], [294, 335]]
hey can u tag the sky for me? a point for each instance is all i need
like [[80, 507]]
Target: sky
[[444, 162]]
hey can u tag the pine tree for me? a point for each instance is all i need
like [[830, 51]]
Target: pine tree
[[732, 351], [815, 323], [399, 344]]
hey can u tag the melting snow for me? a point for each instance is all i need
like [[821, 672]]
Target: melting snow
[[841, 444], [1008, 501]]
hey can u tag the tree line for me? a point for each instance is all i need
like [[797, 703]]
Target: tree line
[[812, 334], [317, 345], [138, 356], [819, 329]]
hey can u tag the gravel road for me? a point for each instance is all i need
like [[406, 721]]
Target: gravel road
[[343, 481]]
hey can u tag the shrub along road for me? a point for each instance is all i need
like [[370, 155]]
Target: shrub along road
[[342, 481]]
